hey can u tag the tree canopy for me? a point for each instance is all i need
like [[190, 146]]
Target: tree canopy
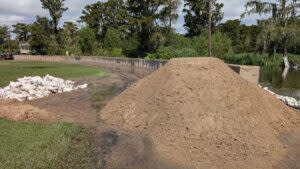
[[196, 15], [280, 26], [56, 9]]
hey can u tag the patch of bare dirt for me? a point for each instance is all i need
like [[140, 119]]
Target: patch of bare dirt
[[200, 114], [15, 110], [82, 106]]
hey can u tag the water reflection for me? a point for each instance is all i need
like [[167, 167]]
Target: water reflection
[[284, 82]]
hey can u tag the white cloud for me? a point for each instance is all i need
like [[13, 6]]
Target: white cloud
[[26, 10]]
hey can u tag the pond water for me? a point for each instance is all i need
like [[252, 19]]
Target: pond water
[[288, 85]]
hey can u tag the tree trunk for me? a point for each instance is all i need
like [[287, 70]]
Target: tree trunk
[[285, 58], [274, 52]]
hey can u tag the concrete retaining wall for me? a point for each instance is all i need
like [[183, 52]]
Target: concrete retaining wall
[[250, 73], [126, 64]]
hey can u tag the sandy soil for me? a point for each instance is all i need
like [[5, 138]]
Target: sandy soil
[[14, 110], [200, 114]]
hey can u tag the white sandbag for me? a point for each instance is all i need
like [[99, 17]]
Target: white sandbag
[[31, 88]]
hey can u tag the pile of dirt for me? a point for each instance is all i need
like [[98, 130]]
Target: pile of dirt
[[200, 114], [15, 110]]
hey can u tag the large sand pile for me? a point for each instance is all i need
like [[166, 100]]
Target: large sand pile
[[201, 114]]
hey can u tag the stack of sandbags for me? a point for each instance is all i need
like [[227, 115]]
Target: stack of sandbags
[[290, 101], [31, 88]]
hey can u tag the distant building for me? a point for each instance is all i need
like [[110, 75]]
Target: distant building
[[24, 48]]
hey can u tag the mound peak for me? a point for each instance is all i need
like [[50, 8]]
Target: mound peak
[[201, 114]]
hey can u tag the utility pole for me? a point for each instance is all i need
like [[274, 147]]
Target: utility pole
[[209, 29]]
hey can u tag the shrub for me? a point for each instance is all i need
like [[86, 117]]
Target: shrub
[[171, 52], [115, 52], [221, 44], [178, 41], [113, 39], [130, 46]]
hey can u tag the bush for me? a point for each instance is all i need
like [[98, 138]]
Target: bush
[[113, 39], [245, 59], [130, 47], [115, 52], [171, 52], [221, 44], [178, 41]]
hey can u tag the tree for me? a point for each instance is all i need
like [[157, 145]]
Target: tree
[[197, 15], [113, 39], [22, 31], [141, 19], [4, 33], [232, 29], [69, 36], [144, 20], [283, 15], [86, 40], [168, 14], [103, 15], [41, 35], [56, 9]]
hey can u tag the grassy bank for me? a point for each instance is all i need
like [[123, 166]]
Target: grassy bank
[[10, 71], [32, 146], [258, 59]]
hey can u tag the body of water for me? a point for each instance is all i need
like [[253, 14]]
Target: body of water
[[283, 82]]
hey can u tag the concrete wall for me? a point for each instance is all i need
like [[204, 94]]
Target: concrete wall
[[126, 64], [250, 73]]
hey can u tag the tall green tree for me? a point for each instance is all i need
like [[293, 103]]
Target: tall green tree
[[69, 35], [3, 34], [283, 15], [232, 29], [103, 15], [196, 15], [41, 35], [144, 18], [86, 40], [56, 9], [113, 39], [22, 31]]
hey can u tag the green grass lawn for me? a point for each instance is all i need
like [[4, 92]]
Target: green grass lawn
[[34, 146], [11, 71]]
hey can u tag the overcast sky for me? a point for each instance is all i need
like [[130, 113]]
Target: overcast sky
[[13, 11]]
